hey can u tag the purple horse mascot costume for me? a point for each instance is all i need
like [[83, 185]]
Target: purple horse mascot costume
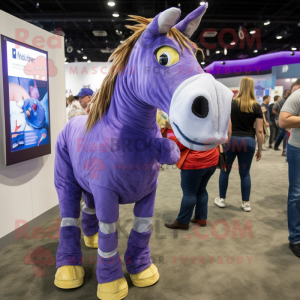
[[112, 156]]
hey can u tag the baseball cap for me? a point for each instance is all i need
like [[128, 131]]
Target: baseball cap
[[84, 92]]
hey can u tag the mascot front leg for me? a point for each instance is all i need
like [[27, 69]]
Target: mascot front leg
[[69, 272], [142, 271], [111, 282]]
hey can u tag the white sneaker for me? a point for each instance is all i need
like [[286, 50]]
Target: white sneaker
[[220, 202], [246, 206], [264, 148]]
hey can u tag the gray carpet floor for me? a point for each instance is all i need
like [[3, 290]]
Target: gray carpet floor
[[216, 262]]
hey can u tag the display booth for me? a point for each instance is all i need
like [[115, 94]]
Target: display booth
[[32, 113], [272, 73]]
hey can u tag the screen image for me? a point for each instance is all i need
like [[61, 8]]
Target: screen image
[[26, 101]]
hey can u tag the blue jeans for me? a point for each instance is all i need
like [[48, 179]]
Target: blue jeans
[[293, 206], [193, 184], [282, 135], [243, 148]]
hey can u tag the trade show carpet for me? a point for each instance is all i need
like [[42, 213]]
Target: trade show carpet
[[237, 256]]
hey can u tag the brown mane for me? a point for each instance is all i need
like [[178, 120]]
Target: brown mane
[[101, 100]]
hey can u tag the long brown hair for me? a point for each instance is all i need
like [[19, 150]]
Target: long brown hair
[[102, 98], [246, 97]]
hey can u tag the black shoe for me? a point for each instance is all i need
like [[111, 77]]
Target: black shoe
[[276, 149], [295, 249], [270, 147]]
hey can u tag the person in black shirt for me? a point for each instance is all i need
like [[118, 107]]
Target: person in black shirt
[[266, 114], [274, 127], [247, 121]]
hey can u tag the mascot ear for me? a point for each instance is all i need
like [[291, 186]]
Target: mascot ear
[[191, 22], [163, 22]]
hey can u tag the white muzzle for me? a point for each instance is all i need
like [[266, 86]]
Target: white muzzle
[[200, 112]]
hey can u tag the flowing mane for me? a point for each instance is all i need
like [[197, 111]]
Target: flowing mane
[[101, 100]]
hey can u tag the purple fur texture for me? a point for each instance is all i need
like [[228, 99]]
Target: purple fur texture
[[137, 255], [69, 250], [89, 224], [109, 269]]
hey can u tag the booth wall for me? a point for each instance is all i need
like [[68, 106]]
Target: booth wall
[[27, 189], [85, 75]]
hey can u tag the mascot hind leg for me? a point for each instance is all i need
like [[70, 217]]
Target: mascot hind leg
[[112, 284], [142, 271], [89, 221], [70, 272]]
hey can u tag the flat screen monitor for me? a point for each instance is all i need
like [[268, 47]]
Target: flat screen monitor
[[26, 101]]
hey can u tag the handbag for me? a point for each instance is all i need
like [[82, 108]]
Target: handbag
[[184, 153], [222, 159]]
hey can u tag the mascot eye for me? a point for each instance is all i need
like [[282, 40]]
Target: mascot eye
[[167, 56]]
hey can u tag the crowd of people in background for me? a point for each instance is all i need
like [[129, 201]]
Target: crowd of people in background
[[253, 128]]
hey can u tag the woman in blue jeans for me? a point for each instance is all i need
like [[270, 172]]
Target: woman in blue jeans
[[197, 167], [245, 113], [290, 118]]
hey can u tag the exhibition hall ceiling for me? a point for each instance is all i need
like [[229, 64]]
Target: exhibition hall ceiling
[[93, 29]]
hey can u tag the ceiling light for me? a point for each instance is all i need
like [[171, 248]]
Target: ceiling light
[[255, 51], [89, 20], [84, 57], [294, 48], [88, 61], [111, 3], [218, 51], [210, 33], [252, 31], [70, 49], [116, 15], [294, 79], [121, 42], [202, 3], [203, 63], [267, 22], [232, 43], [299, 24], [278, 37], [225, 51], [108, 50], [79, 51], [99, 33], [118, 32], [288, 80], [179, 4], [66, 63]]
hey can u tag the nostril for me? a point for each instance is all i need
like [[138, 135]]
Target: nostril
[[200, 107]]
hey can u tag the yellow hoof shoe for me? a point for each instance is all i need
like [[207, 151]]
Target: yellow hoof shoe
[[69, 277], [145, 278], [91, 241], [114, 290]]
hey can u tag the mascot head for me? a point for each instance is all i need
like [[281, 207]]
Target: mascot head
[[157, 65]]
